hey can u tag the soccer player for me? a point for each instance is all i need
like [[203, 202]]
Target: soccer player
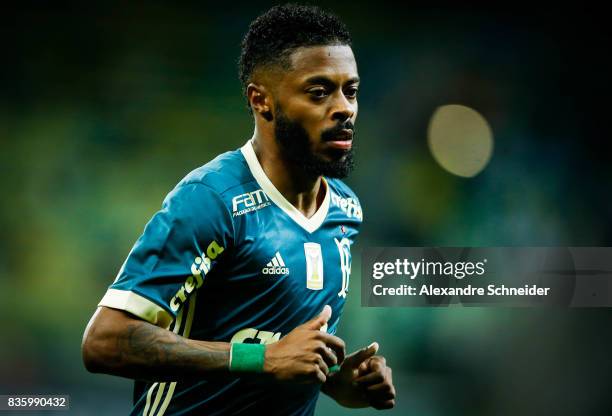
[[229, 301]]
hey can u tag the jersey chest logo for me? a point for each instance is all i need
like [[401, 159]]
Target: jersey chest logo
[[344, 248], [314, 266], [276, 266], [315, 278]]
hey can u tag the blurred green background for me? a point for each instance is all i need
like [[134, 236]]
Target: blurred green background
[[105, 107]]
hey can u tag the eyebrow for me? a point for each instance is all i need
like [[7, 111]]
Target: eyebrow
[[322, 79]]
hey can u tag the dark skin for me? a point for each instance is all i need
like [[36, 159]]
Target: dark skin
[[319, 91], [118, 343]]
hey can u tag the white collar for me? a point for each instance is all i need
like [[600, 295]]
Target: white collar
[[309, 224]]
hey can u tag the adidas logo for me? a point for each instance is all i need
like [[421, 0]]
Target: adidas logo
[[276, 266]]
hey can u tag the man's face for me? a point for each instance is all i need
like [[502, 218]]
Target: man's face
[[315, 109]]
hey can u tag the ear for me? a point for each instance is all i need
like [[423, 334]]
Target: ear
[[260, 100]]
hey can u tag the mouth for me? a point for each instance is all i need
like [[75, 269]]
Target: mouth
[[342, 140]]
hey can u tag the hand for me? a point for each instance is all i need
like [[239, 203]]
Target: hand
[[305, 354], [376, 379], [363, 380]]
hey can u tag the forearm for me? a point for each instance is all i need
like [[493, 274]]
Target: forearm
[[140, 350], [118, 343]]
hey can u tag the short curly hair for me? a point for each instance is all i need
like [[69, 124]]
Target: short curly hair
[[275, 34]]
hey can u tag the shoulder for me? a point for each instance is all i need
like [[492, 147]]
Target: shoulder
[[343, 197], [226, 171], [209, 188]]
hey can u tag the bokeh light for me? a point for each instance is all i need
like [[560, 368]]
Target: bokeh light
[[460, 140]]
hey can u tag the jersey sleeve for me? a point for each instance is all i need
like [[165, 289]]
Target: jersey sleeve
[[179, 246]]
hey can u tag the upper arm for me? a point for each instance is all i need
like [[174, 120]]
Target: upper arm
[[108, 320], [104, 328]]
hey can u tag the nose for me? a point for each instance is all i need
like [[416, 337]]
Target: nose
[[342, 109]]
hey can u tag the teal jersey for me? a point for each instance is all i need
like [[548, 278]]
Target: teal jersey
[[228, 258]]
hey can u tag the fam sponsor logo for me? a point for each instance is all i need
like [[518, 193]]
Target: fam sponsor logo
[[251, 201], [349, 205], [199, 268]]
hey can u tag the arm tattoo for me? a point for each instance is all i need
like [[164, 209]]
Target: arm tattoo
[[146, 351]]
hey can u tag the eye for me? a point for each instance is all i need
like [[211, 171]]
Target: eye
[[318, 92], [351, 92]]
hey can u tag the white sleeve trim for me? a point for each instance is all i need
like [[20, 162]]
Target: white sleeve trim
[[137, 305]]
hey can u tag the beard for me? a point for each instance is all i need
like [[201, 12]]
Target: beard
[[294, 145]]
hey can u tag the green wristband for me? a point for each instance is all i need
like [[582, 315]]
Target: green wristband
[[247, 357]]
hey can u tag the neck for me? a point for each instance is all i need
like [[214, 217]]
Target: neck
[[304, 192]]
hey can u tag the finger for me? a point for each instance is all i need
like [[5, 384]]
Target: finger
[[321, 377], [357, 358], [377, 363], [370, 379], [387, 404], [327, 354], [379, 396], [363, 369], [318, 322], [381, 388], [335, 343], [322, 366]]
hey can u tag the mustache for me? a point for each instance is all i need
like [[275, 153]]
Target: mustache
[[331, 133]]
